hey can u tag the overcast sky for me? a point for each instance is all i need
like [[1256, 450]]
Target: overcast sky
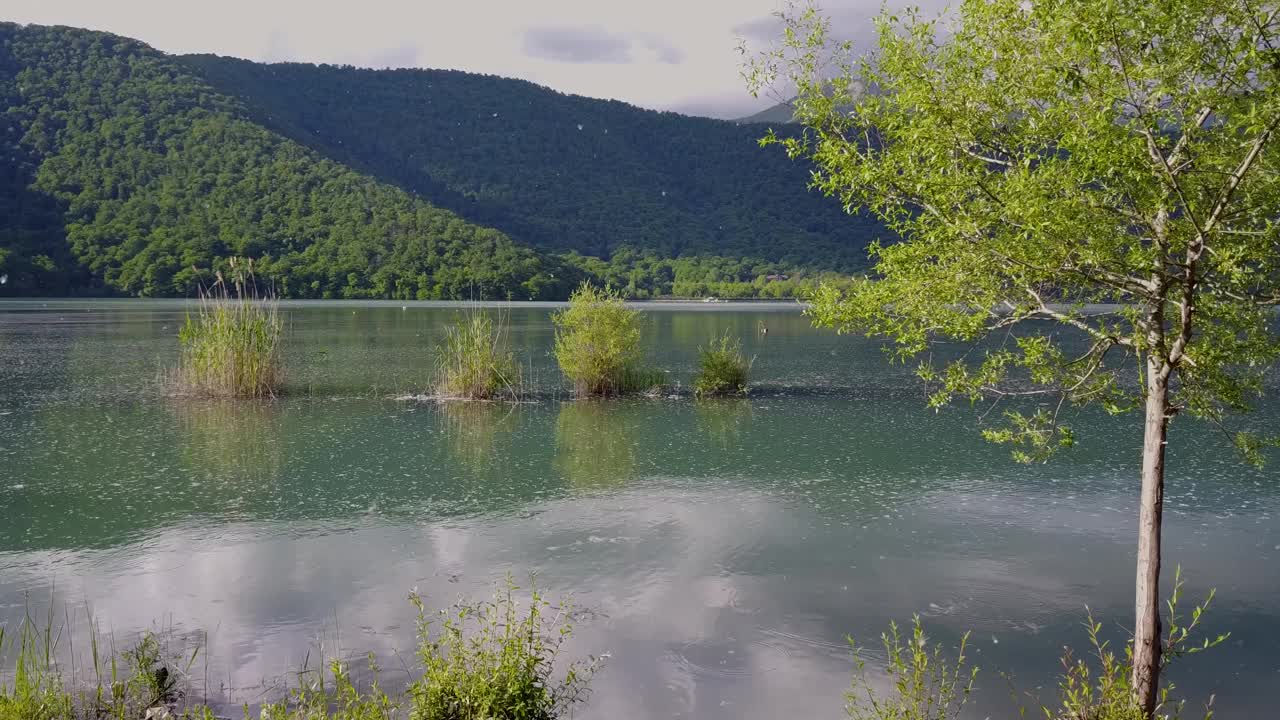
[[668, 54]]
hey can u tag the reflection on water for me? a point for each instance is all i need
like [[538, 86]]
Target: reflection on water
[[720, 550], [474, 429], [721, 419], [237, 444], [594, 445]]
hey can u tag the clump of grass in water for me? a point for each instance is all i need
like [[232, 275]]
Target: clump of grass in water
[[495, 661], [598, 344], [723, 370], [639, 379], [475, 362], [231, 346], [484, 661]]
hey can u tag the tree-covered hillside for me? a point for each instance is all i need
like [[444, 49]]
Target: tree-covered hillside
[[127, 171], [561, 172]]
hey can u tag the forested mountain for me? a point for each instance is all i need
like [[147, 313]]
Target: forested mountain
[[125, 170], [562, 172]]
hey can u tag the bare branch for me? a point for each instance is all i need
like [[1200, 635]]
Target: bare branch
[[1194, 251], [1093, 332], [1237, 176]]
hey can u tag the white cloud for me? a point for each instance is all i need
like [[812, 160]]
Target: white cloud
[[577, 45]]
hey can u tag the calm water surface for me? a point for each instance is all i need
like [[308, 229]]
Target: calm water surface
[[720, 552]]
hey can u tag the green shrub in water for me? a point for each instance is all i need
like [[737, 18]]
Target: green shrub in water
[[230, 347], [474, 362], [496, 661], [598, 344], [722, 369]]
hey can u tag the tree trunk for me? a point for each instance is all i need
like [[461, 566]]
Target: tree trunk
[[1146, 631]]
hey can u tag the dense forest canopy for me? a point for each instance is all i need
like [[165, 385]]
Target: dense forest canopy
[[127, 171], [558, 171]]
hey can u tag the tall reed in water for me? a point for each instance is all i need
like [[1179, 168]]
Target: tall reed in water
[[230, 346], [475, 361]]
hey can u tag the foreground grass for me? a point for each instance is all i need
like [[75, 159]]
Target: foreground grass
[[496, 660], [475, 361], [493, 660], [925, 684], [335, 697], [230, 347], [139, 683], [500, 660]]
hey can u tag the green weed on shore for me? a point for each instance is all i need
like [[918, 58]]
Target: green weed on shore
[[492, 660]]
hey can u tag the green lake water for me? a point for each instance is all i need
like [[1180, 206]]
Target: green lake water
[[719, 552]]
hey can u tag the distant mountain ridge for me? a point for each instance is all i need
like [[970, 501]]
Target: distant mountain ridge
[[125, 170], [783, 113]]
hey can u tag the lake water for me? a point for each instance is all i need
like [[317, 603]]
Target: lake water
[[720, 552]]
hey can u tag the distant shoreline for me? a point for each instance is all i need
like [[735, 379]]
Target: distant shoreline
[[721, 301], [362, 302]]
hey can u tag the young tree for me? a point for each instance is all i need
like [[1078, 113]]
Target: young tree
[[1040, 158]]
